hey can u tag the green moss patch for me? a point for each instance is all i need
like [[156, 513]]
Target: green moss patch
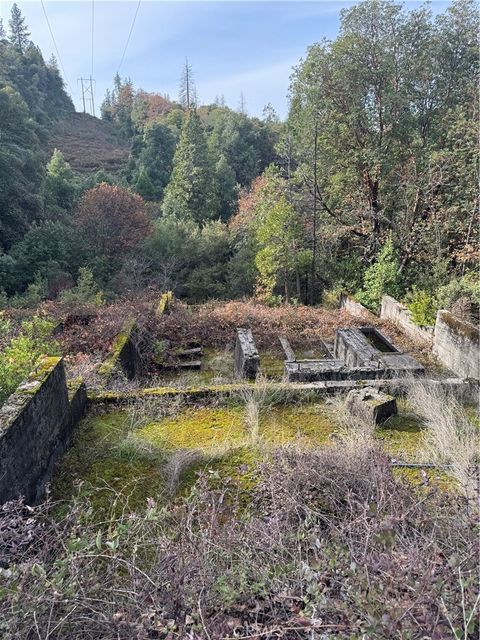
[[109, 459]]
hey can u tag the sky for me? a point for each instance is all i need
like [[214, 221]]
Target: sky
[[233, 47]]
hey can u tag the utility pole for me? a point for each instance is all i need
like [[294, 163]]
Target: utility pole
[[242, 105], [88, 94]]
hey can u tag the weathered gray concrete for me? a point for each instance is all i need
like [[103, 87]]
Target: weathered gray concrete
[[456, 344], [371, 405], [356, 358], [324, 387], [36, 425], [391, 309], [247, 360], [354, 308], [353, 348], [287, 349]]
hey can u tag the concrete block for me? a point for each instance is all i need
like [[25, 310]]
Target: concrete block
[[247, 360], [371, 405]]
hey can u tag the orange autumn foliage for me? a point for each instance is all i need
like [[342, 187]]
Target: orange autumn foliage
[[112, 219]]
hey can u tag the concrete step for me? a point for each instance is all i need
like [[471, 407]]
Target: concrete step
[[187, 353]]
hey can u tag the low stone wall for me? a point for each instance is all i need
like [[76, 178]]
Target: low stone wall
[[354, 308], [36, 426], [124, 354], [456, 344], [247, 360], [391, 309]]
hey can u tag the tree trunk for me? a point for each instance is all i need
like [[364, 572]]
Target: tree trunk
[[314, 221]]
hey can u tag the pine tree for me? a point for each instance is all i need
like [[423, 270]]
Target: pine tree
[[19, 33], [226, 188], [2, 30], [190, 191]]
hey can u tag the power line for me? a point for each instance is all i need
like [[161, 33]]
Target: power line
[[56, 48], [93, 31], [129, 36]]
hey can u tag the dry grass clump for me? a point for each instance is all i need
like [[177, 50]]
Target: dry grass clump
[[146, 409], [451, 438], [330, 545], [257, 398]]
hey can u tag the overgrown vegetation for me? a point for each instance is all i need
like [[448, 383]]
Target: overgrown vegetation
[[21, 351], [323, 529]]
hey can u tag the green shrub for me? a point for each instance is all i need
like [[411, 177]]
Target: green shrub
[[86, 290], [422, 305], [468, 286], [19, 357], [35, 293], [381, 278]]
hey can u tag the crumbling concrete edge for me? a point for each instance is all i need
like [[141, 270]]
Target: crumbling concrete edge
[[318, 388], [456, 344], [123, 354], [354, 308], [165, 304], [392, 309]]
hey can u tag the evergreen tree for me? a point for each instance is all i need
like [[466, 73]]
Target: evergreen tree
[[20, 168], [59, 188], [106, 106], [143, 184], [189, 193], [2, 30], [155, 159], [19, 33], [226, 188]]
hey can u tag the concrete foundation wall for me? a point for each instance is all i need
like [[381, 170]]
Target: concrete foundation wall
[[36, 425], [391, 309], [124, 354], [354, 308], [456, 344]]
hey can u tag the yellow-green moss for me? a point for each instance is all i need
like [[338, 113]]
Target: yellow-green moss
[[109, 459], [203, 428], [165, 300], [43, 368], [106, 475], [110, 362], [272, 363], [402, 436]]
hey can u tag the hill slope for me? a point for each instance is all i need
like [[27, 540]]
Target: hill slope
[[89, 144]]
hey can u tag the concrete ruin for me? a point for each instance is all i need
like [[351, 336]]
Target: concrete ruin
[[247, 360], [371, 405], [457, 345], [36, 426], [362, 353]]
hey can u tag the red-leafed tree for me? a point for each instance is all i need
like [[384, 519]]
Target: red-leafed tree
[[112, 219]]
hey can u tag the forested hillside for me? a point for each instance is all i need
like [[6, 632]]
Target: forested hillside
[[370, 186]]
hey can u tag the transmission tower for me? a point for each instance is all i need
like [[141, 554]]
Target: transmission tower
[[88, 95]]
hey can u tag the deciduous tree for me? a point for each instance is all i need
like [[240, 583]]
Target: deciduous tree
[[112, 219]]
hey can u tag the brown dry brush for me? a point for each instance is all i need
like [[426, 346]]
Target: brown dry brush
[[214, 324], [328, 545]]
